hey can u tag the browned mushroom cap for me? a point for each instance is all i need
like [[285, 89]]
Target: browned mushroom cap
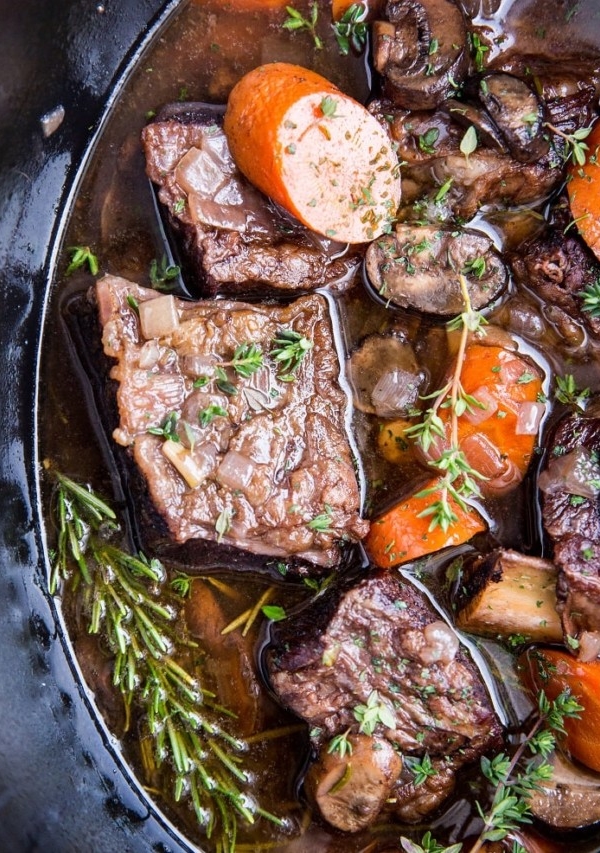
[[351, 790], [421, 51], [385, 376], [517, 113], [570, 799], [418, 267]]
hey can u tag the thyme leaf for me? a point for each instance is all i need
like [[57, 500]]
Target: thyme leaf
[[352, 29], [289, 350], [296, 21]]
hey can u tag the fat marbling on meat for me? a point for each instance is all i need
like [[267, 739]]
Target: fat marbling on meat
[[268, 461]]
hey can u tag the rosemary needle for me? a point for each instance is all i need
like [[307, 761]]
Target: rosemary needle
[[123, 597]]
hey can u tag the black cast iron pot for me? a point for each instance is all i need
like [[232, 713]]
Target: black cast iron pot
[[63, 788]]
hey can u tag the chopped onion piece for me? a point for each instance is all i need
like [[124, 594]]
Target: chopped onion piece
[[181, 458], [529, 417], [158, 317], [149, 354], [589, 646], [488, 407], [442, 643], [395, 392], [209, 212], [197, 172], [235, 470]]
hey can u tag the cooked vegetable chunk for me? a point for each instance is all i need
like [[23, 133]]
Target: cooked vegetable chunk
[[314, 150], [506, 593], [403, 533], [417, 267]]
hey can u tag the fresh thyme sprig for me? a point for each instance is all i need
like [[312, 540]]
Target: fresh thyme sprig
[[82, 256], [570, 394], [590, 298], [123, 597], [296, 21], [351, 30], [576, 147], [289, 350], [514, 778], [163, 274], [458, 479]]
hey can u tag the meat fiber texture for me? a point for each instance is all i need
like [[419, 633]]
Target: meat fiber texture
[[232, 240], [572, 520], [274, 457], [384, 636]]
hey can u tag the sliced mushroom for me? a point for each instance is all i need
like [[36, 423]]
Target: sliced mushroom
[[468, 115], [419, 268], [385, 376], [420, 50], [517, 113], [570, 799], [351, 790]]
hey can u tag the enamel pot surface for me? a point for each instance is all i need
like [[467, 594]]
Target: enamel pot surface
[[63, 787]]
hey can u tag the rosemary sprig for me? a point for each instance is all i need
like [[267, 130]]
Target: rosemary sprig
[[289, 349], [123, 597], [458, 479]]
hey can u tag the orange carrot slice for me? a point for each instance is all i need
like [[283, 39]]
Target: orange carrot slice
[[402, 534], [584, 193], [314, 150], [554, 671]]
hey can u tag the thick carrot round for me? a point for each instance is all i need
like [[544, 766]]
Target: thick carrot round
[[555, 671], [584, 193], [317, 152], [402, 534]]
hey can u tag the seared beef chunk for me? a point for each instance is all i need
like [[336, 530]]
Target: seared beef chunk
[[418, 266], [570, 486], [380, 653], [232, 239], [558, 266], [420, 49], [259, 460]]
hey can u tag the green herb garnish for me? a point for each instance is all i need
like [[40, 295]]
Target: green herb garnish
[[124, 598], [162, 274], [82, 256], [289, 350], [296, 21], [352, 29]]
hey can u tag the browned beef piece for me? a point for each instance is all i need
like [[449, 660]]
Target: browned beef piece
[[570, 487], [558, 266], [232, 240], [256, 459], [381, 645]]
